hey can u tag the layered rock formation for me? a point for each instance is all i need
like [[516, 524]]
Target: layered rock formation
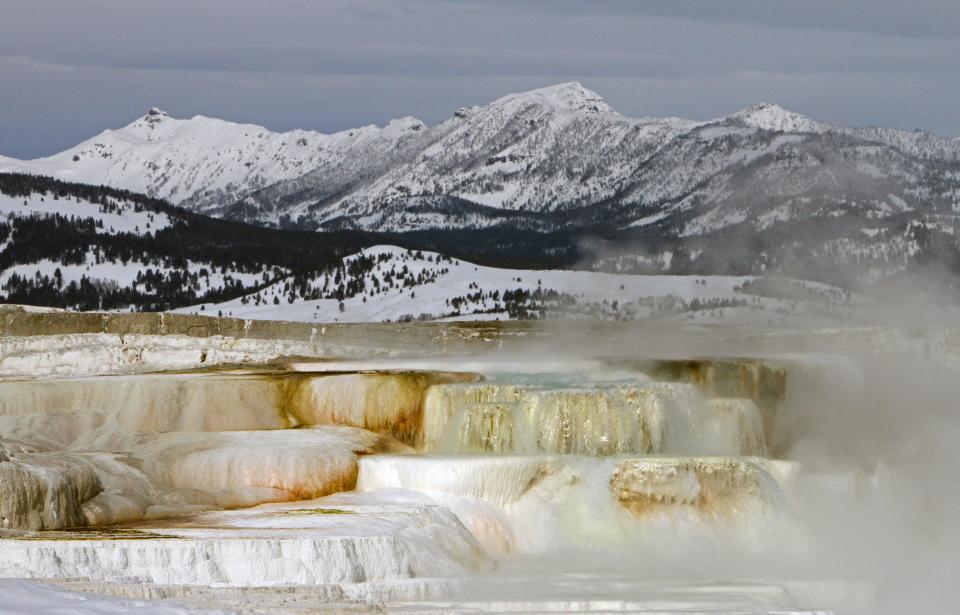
[[387, 478]]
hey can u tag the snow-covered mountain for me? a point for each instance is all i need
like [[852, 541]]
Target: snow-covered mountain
[[203, 162], [522, 157], [554, 158], [556, 177]]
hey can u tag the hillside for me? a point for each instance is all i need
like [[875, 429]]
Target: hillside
[[388, 283], [90, 247], [95, 248]]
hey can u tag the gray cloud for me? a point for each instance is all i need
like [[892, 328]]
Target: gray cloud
[[888, 17], [70, 69]]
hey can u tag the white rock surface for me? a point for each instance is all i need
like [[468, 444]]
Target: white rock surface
[[90, 354], [731, 490], [45, 490], [29, 598], [158, 475], [85, 413], [300, 463], [500, 479], [271, 545], [739, 422]]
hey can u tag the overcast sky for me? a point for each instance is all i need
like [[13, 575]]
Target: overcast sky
[[71, 68]]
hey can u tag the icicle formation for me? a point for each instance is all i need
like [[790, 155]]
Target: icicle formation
[[615, 419]]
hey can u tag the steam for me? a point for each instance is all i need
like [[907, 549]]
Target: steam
[[870, 416], [885, 428]]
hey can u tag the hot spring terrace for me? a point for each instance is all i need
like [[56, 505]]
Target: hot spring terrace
[[267, 474]]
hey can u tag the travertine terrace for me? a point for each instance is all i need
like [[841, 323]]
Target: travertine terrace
[[278, 467]]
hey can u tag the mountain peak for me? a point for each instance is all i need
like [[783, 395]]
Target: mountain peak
[[770, 116], [152, 118], [407, 122], [569, 96]]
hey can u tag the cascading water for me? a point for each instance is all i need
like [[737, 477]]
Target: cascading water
[[543, 462], [483, 427], [446, 410], [599, 420], [740, 421]]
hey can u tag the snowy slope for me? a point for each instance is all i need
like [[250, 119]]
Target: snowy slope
[[92, 245], [768, 116], [404, 285], [117, 217], [123, 275], [83, 247], [546, 150]]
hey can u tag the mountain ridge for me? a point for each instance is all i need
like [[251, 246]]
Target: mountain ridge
[[559, 157]]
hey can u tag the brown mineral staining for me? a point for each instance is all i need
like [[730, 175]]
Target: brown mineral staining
[[385, 403], [720, 487], [314, 511], [97, 533], [763, 382], [20, 321]]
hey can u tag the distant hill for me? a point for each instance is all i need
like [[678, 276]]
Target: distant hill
[[96, 248]]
